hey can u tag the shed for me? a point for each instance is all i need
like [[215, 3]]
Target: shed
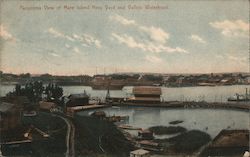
[[77, 100], [146, 94]]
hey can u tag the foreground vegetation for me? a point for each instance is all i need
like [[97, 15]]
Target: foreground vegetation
[[185, 143], [98, 137]]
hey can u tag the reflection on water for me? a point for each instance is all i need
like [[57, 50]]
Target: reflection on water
[[208, 120]]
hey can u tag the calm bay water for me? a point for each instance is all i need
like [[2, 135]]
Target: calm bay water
[[211, 121], [208, 120]]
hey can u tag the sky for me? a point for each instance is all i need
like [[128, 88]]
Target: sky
[[89, 37]]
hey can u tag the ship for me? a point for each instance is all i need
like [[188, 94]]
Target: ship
[[240, 97]]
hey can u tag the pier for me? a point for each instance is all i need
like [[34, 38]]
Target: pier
[[191, 104], [71, 110]]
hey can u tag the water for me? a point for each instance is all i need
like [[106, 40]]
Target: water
[[210, 94], [211, 121]]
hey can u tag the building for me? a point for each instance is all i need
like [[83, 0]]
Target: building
[[77, 100], [247, 80], [140, 153], [228, 143], [10, 116], [146, 94]]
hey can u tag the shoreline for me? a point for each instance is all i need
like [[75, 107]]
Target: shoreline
[[191, 105]]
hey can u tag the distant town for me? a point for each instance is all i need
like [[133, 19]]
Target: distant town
[[117, 81]]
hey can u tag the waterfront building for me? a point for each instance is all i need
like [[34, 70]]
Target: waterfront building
[[228, 143], [77, 100], [146, 94]]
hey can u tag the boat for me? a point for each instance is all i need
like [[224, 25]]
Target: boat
[[129, 127], [29, 113], [150, 145], [240, 97], [237, 97]]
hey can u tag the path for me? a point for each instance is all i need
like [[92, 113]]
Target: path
[[70, 137]]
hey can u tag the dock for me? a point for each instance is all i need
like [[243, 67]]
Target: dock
[[191, 104], [72, 110]]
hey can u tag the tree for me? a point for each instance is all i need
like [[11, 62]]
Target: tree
[[34, 90], [53, 91]]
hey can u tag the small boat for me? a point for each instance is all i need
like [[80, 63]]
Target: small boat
[[29, 113], [116, 107], [129, 127]]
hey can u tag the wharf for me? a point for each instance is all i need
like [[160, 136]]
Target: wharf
[[191, 104], [79, 108], [72, 110]]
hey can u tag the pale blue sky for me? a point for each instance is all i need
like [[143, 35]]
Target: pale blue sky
[[187, 37]]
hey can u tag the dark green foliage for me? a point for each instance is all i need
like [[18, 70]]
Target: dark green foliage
[[162, 130], [53, 91], [190, 141], [34, 90], [100, 136], [153, 78], [55, 144]]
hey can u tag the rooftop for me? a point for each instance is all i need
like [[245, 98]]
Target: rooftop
[[147, 90], [80, 95], [232, 138]]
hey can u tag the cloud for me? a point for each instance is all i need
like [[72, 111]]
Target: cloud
[[54, 55], [145, 46], [75, 49], [237, 28], [237, 59], [219, 56], [122, 20], [5, 34], [55, 32], [86, 40], [197, 39], [90, 40], [156, 34], [154, 42], [67, 46], [58, 34], [153, 59], [129, 41]]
